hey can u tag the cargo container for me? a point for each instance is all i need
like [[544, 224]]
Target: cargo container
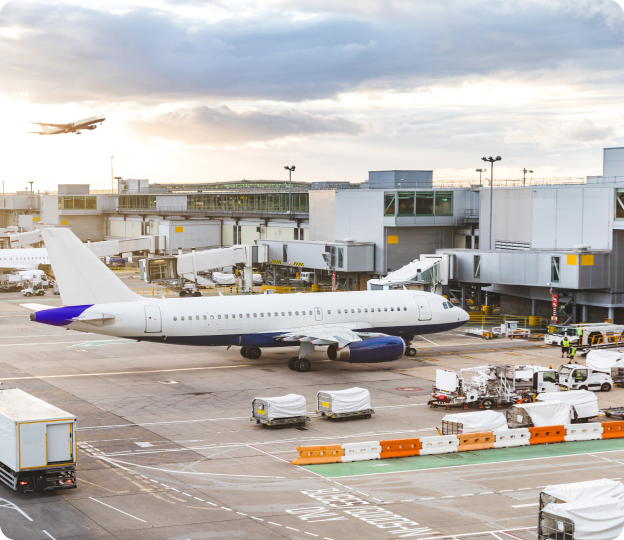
[[37, 444]]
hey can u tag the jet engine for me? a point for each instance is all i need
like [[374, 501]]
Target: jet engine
[[369, 351], [91, 127]]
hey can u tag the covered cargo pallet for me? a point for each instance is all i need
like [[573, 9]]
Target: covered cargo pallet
[[609, 361], [344, 403], [565, 493], [223, 279], [37, 443], [539, 414], [289, 409], [599, 518], [473, 422], [583, 402]]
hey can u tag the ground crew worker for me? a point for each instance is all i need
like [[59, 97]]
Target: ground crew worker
[[579, 333], [572, 352], [565, 347]]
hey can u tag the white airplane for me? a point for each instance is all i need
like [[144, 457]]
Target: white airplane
[[23, 259], [73, 127], [358, 327]]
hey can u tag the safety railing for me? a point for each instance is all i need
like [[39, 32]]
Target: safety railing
[[497, 320]]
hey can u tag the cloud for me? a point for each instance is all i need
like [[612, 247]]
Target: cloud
[[64, 53], [549, 135], [221, 126]]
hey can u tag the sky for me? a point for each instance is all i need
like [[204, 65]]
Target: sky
[[217, 90]]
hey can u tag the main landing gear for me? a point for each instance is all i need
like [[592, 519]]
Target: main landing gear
[[253, 353], [299, 364]]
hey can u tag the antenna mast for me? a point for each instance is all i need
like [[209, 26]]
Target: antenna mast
[[112, 175]]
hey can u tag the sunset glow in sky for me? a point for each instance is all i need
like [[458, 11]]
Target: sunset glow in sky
[[214, 90]]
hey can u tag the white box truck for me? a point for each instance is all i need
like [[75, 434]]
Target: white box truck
[[37, 444]]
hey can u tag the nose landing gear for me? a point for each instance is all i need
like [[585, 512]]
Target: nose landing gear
[[409, 350]]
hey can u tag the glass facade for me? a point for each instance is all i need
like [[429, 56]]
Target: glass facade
[[251, 202], [424, 203], [77, 202], [477, 267], [137, 202], [619, 204], [554, 269]]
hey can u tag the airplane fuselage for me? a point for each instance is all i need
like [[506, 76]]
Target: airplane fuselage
[[256, 320], [22, 259]]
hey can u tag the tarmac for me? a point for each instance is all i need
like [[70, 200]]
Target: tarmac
[[167, 449]]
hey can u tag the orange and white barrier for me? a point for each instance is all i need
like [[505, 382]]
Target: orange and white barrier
[[447, 444]]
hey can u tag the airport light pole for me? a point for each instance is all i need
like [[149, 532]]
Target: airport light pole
[[480, 171], [290, 170], [524, 171], [491, 160]]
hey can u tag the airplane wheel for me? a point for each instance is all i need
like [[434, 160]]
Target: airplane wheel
[[253, 353], [182, 294], [302, 365], [410, 351], [197, 294], [243, 351], [291, 362]]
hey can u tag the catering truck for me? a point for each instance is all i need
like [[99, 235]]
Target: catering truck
[[37, 444], [590, 334]]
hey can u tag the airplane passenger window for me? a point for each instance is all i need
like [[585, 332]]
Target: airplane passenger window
[[175, 318], [404, 309], [261, 314], [352, 310], [290, 313], [211, 317], [219, 316], [310, 313], [391, 309], [339, 312], [226, 316], [247, 315], [190, 317], [182, 318], [385, 309], [365, 310], [282, 314], [269, 314], [240, 315], [197, 317], [296, 313]]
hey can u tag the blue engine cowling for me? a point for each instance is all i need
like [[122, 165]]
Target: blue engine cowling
[[369, 351]]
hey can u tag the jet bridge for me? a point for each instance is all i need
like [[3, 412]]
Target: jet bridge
[[189, 265], [428, 273]]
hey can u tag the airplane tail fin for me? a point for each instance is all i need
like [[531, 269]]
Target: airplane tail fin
[[81, 277]]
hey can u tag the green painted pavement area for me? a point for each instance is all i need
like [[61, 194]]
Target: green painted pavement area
[[478, 457]]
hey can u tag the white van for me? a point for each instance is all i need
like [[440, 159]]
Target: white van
[[592, 333], [580, 377]]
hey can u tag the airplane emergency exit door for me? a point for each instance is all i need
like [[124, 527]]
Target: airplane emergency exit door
[[152, 319]]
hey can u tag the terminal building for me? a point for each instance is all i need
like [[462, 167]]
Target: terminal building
[[550, 236]]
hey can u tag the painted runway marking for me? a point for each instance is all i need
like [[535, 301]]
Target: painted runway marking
[[524, 505], [117, 509], [49, 535], [8, 504]]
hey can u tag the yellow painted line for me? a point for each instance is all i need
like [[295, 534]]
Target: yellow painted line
[[469, 357]]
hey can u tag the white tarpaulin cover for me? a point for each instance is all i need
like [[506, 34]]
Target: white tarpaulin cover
[[446, 380], [585, 403], [224, 279], [476, 422], [283, 406], [600, 518], [604, 360], [552, 413], [349, 400], [585, 490], [257, 279]]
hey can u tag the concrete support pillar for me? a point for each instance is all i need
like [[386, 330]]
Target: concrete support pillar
[[464, 300], [612, 314], [533, 307], [585, 314], [248, 278], [315, 280], [574, 314]]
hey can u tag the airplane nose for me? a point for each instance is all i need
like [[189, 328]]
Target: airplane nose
[[464, 316]]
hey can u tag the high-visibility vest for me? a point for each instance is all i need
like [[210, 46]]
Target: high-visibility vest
[[565, 342], [579, 331], [572, 351]]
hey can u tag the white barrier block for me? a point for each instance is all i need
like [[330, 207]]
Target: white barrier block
[[508, 438], [443, 444], [363, 451], [584, 432]]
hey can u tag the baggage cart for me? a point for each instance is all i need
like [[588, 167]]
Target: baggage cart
[[343, 404], [279, 411], [618, 412], [38, 450]]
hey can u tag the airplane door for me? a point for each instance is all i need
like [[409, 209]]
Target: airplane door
[[318, 314], [424, 308], [152, 319]]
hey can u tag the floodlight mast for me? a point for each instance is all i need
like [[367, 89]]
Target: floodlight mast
[[525, 171], [290, 170], [491, 160]]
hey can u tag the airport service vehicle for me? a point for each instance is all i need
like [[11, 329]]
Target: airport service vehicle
[[72, 127], [356, 327], [611, 362], [38, 450], [593, 333], [279, 411], [581, 377], [491, 385], [32, 290], [342, 404]]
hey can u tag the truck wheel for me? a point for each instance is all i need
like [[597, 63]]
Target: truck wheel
[[182, 294], [197, 294], [243, 352], [605, 387], [40, 293], [291, 362], [27, 294], [253, 353], [302, 365], [487, 403], [583, 387]]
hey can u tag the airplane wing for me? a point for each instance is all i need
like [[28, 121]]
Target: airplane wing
[[43, 124], [329, 334], [37, 307], [15, 268]]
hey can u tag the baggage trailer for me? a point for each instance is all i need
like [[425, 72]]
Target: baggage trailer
[[37, 444], [343, 404], [279, 411]]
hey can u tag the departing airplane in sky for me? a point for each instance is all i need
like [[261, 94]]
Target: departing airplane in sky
[[23, 259], [73, 127], [357, 327]]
